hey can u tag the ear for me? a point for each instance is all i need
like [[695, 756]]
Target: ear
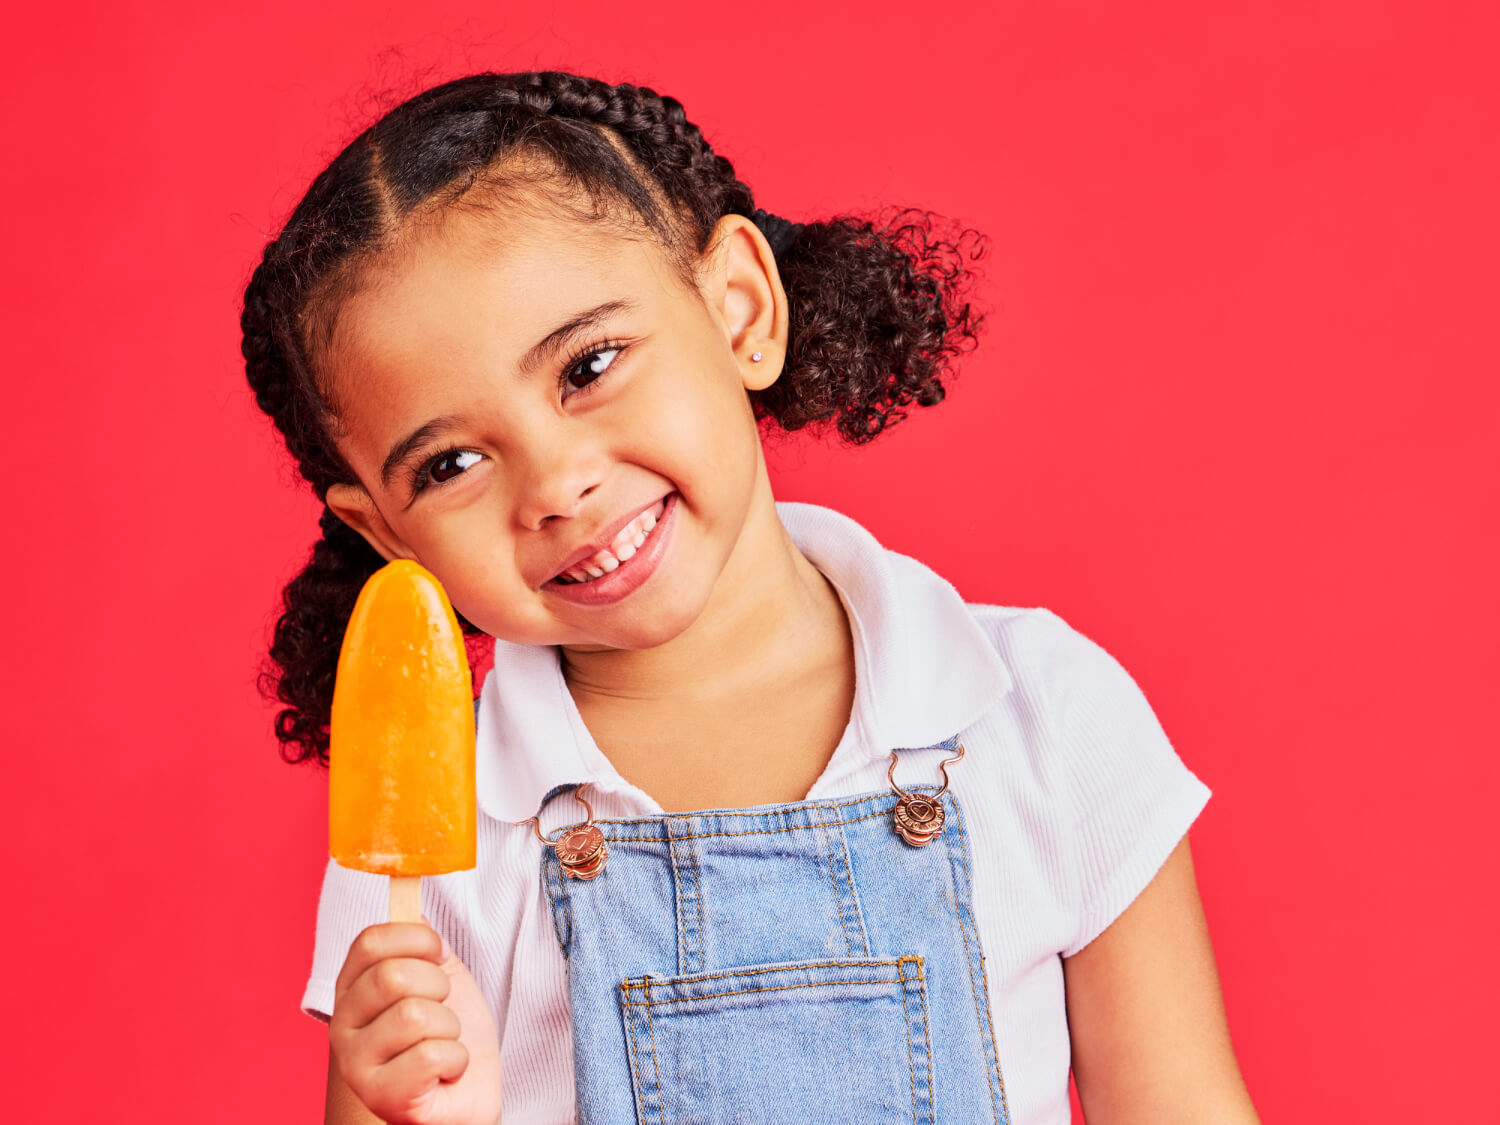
[[353, 505], [744, 286]]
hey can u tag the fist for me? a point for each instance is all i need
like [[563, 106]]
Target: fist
[[411, 1033]]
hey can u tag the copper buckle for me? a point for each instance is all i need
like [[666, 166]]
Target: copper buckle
[[580, 850], [918, 818]]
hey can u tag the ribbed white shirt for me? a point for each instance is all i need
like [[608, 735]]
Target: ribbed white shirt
[[1072, 795]]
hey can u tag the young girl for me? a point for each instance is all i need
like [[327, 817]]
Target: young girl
[[839, 846]]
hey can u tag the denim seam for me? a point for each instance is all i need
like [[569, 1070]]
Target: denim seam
[[755, 831], [838, 898], [859, 911], [634, 1056], [725, 813], [910, 1063], [790, 967], [655, 1066], [557, 901], [698, 902], [677, 892], [969, 959], [999, 1074], [649, 1003], [927, 1038]]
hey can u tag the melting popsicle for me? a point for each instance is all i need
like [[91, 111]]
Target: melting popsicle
[[401, 737]]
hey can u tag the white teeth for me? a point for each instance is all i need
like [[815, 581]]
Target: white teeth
[[630, 539]]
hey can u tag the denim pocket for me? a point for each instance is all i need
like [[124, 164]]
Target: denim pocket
[[832, 1040]]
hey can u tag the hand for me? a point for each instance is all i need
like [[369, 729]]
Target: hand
[[411, 1033]]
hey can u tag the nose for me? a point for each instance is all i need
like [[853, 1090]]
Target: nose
[[556, 483]]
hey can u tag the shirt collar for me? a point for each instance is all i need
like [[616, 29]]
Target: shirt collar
[[924, 670]]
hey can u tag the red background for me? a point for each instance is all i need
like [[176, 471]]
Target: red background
[[1234, 417]]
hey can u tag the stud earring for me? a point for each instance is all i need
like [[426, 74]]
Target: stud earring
[[756, 357]]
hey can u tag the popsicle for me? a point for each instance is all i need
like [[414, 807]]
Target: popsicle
[[401, 737]]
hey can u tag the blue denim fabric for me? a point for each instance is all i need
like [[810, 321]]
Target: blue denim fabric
[[783, 963]]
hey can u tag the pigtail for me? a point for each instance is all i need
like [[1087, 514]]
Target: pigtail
[[316, 606], [878, 310]]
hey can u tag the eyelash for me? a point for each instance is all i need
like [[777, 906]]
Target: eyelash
[[584, 353], [421, 481]]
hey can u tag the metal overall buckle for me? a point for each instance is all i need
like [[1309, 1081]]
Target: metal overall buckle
[[918, 818], [580, 850]]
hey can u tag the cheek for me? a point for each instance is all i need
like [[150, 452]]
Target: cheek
[[698, 424]]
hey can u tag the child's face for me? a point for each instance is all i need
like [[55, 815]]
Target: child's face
[[495, 466]]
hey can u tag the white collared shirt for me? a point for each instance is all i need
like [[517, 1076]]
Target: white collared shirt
[[1072, 795]]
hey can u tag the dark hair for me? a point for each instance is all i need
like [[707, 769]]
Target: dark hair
[[877, 306]]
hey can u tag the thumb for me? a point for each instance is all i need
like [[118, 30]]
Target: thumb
[[448, 954]]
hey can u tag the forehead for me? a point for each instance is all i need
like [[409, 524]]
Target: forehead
[[471, 291]]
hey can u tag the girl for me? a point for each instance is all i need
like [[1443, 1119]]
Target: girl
[[839, 846]]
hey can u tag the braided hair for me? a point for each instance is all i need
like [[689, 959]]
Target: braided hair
[[876, 306]]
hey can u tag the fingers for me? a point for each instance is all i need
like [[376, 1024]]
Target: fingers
[[403, 1025], [385, 984], [420, 1067], [389, 939]]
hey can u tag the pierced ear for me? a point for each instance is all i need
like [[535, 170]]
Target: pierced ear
[[746, 288], [353, 505]]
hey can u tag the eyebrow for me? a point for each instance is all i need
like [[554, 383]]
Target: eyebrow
[[559, 338], [414, 440]]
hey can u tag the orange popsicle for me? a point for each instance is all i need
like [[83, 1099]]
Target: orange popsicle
[[401, 737]]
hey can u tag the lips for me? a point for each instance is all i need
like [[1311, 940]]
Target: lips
[[610, 542], [622, 548], [577, 583]]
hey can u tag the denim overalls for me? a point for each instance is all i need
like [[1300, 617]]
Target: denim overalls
[[781, 963]]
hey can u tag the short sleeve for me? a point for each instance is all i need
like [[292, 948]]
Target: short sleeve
[[1128, 797], [349, 901]]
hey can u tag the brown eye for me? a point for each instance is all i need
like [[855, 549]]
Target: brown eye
[[450, 465], [590, 368]]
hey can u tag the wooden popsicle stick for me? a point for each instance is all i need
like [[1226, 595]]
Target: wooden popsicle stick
[[406, 898]]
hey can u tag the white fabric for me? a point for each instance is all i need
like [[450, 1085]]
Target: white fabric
[[1072, 794]]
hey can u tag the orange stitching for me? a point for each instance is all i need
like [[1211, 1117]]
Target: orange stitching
[[927, 1035], [792, 968], [634, 1049], [857, 800], [969, 959], [999, 1073], [651, 1027], [748, 832], [746, 991], [910, 1064]]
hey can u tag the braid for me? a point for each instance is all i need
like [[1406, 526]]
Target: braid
[[875, 309], [281, 384], [471, 122]]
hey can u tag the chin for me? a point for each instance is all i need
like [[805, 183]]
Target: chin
[[651, 628]]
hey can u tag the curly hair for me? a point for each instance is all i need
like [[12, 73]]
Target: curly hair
[[877, 306]]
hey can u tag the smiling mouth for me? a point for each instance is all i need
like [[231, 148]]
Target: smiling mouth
[[630, 539]]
